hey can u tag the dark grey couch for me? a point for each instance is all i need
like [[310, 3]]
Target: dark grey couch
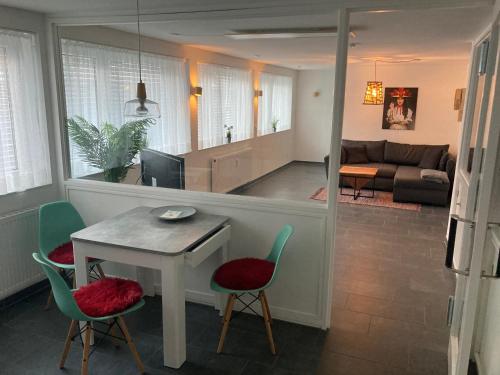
[[399, 167]]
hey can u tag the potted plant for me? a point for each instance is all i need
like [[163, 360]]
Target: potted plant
[[274, 124], [228, 133], [108, 148]]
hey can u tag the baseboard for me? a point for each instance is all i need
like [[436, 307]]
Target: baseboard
[[287, 315], [24, 294]]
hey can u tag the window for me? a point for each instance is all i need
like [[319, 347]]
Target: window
[[226, 104], [275, 110], [98, 81], [24, 152]]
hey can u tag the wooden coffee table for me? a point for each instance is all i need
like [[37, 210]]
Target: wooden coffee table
[[357, 178]]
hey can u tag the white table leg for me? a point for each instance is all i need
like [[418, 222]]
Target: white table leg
[[81, 273], [174, 311], [145, 277]]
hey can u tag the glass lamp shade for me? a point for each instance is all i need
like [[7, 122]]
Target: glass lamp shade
[[142, 108], [373, 93]]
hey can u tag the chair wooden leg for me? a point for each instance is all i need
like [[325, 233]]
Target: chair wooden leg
[[67, 344], [49, 300], [74, 281], [267, 322], [227, 318], [267, 307], [86, 349], [101, 272], [131, 345]]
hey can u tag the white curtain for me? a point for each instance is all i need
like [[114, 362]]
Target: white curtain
[[24, 152], [99, 79], [227, 100], [275, 103]]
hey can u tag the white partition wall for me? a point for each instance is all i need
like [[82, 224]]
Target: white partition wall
[[300, 292]]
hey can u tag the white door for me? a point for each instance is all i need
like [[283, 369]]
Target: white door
[[472, 195]]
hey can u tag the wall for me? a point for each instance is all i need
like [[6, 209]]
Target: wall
[[313, 114], [436, 121], [300, 291], [16, 19], [271, 152]]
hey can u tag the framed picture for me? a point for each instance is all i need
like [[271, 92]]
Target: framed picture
[[400, 108]]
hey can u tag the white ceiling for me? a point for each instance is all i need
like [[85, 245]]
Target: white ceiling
[[423, 34], [437, 34]]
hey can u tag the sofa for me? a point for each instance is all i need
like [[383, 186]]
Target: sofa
[[399, 168]]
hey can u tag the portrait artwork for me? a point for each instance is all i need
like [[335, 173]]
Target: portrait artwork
[[400, 108]]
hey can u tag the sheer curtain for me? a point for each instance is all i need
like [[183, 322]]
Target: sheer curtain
[[275, 103], [99, 79], [227, 100], [24, 153]]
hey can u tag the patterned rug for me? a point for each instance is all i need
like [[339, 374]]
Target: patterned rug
[[382, 199]]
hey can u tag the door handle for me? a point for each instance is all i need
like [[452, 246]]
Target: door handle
[[450, 244]]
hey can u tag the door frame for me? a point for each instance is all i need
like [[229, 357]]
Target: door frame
[[479, 215]]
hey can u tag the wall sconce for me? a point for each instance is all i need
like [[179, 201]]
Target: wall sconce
[[258, 92], [196, 91]]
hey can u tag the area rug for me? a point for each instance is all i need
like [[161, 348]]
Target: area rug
[[381, 199]]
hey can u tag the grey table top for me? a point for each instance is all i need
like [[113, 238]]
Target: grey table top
[[140, 230]]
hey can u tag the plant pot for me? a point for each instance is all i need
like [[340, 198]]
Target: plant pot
[[115, 174], [228, 138]]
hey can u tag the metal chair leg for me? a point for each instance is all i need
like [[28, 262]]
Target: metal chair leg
[[101, 272], [227, 318]]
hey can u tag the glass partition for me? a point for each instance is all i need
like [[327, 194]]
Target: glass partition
[[229, 123]]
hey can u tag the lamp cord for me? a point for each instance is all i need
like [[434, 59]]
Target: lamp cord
[[139, 42]]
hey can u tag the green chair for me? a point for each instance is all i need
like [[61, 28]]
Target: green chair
[[69, 307], [57, 221], [267, 269]]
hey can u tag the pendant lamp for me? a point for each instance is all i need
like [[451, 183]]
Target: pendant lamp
[[373, 92], [141, 106]]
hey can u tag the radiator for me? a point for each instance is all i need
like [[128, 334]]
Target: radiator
[[18, 240], [231, 170]]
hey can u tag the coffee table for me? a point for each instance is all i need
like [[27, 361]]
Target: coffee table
[[357, 178]]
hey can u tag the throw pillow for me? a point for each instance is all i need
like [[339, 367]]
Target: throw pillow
[[442, 162], [356, 154], [430, 158]]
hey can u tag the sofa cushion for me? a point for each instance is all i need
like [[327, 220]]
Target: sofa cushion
[[356, 154], [374, 149], [408, 177], [406, 154], [430, 158], [384, 170], [442, 161]]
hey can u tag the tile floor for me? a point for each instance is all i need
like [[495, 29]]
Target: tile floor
[[390, 293], [388, 316], [295, 181]]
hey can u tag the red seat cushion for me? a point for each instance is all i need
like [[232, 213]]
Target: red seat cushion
[[108, 296], [64, 254], [244, 274]]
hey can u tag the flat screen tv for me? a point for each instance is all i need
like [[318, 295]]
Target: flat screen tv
[[161, 169]]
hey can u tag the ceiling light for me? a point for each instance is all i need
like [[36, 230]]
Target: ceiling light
[[141, 106], [373, 92], [290, 33]]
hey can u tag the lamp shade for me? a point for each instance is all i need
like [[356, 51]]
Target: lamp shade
[[141, 107], [373, 93]]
